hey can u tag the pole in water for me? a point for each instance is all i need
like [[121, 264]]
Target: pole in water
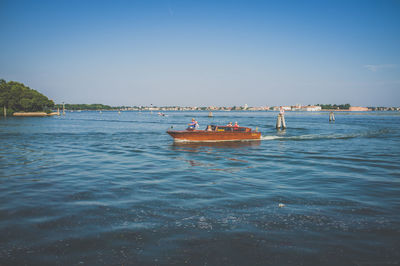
[[331, 117], [280, 122], [283, 121], [210, 114], [5, 111], [63, 108]]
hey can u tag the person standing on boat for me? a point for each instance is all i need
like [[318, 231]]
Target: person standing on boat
[[236, 125], [193, 125]]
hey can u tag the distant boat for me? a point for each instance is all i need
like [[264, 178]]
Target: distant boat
[[216, 133]]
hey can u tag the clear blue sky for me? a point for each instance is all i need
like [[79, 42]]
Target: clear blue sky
[[203, 53]]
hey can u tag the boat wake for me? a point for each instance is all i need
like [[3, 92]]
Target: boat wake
[[271, 137], [311, 137], [327, 136]]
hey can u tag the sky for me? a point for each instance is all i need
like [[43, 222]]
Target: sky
[[204, 53]]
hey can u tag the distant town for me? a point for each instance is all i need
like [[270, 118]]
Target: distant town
[[19, 100], [245, 107]]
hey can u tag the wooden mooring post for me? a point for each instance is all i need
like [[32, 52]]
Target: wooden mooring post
[[280, 121], [5, 111], [331, 117]]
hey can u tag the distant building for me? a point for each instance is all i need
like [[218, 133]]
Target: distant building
[[311, 108], [296, 107], [277, 108], [258, 108], [358, 108]]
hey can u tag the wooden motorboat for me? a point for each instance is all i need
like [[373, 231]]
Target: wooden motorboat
[[216, 133]]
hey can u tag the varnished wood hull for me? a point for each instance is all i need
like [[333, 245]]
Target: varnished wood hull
[[201, 135]]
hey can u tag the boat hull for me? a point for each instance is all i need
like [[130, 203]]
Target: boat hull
[[211, 136]]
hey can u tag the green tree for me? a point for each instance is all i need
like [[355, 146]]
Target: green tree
[[16, 96], [95, 106]]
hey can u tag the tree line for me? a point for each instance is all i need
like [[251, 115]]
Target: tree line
[[17, 97], [95, 106], [335, 106]]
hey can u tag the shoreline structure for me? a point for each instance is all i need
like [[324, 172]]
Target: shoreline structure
[[77, 107], [34, 114], [212, 108]]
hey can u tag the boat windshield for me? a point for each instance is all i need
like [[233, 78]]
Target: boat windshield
[[232, 129]]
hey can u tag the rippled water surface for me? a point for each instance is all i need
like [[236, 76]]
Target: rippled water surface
[[114, 189]]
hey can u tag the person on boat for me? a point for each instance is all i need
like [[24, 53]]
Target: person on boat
[[209, 128], [229, 124], [236, 125], [193, 125]]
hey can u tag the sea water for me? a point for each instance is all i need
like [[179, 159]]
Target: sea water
[[94, 188]]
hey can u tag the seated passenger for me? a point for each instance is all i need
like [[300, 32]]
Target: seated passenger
[[209, 128], [236, 125], [229, 124]]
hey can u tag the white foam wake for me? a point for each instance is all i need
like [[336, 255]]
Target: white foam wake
[[313, 137], [270, 137]]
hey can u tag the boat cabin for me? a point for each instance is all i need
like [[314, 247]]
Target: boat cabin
[[228, 129]]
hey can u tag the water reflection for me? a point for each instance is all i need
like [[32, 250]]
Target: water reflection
[[222, 144], [204, 154], [281, 132]]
